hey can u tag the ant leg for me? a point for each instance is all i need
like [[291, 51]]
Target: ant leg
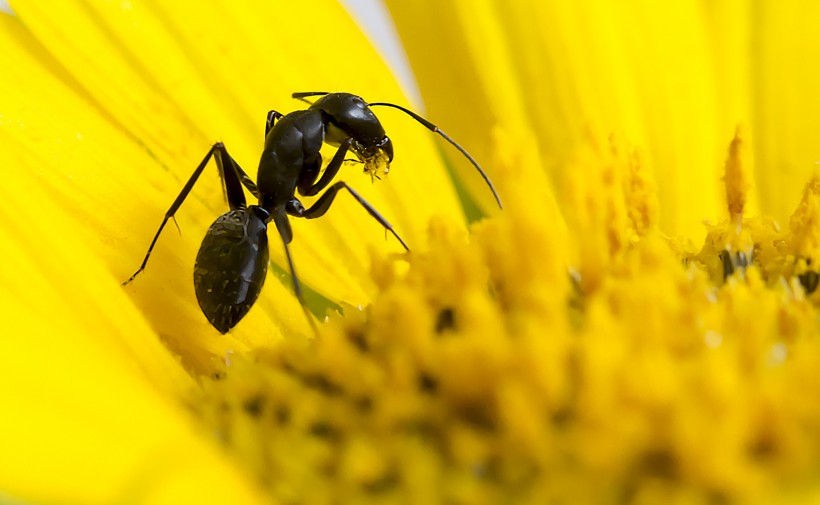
[[273, 116], [231, 180], [246, 180], [304, 94], [330, 171], [283, 228], [221, 156], [321, 206]]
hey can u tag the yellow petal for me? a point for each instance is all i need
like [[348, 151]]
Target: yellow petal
[[89, 168], [786, 111], [91, 397], [643, 71]]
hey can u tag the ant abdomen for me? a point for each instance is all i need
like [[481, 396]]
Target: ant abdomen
[[231, 265]]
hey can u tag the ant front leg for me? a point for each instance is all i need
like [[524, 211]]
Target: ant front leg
[[318, 209], [233, 191], [306, 186]]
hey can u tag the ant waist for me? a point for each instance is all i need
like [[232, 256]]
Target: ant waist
[[260, 212]]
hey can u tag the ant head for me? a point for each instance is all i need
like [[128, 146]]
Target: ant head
[[350, 117]]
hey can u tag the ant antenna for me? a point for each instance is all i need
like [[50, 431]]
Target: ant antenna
[[433, 128]]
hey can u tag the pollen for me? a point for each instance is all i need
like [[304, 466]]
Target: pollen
[[580, 357], [377, 166]]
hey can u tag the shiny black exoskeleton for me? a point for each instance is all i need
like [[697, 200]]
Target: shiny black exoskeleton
[[232, 262]]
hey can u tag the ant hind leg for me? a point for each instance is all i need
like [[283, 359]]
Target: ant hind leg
[[231, 179]]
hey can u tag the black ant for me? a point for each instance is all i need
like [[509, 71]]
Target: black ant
[[232, 262]]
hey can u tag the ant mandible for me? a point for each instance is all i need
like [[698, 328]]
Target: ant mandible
[[232, 262]]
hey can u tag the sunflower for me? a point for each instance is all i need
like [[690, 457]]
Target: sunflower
[[593, 342]]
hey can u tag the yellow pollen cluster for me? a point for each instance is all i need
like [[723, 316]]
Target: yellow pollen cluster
[[377, 166], [542, 361]]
